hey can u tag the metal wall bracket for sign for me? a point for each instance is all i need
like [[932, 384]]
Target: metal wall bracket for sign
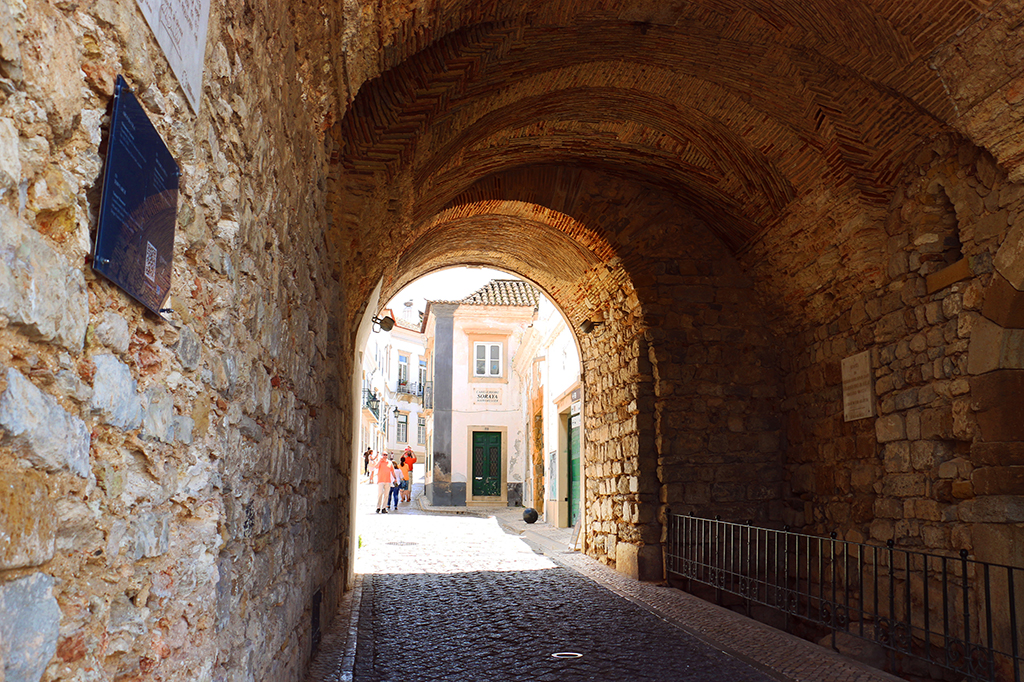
[[138, 206]]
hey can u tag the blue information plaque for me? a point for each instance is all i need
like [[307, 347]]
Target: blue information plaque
[[138, 205]]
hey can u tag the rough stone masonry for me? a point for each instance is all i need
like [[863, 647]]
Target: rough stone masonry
[[168, 487], [740, 195]]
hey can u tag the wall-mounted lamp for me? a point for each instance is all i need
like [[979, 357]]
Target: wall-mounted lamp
[[588, 326], [395, 411], [382, 324]]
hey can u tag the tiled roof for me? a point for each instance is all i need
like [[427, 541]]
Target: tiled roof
[[504, 292]]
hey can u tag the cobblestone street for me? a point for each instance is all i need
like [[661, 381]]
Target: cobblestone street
[[444, 596]]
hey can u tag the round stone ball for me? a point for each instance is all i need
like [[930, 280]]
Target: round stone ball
[[530, 515]]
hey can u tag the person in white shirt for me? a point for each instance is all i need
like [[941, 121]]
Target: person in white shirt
[[396, 484]]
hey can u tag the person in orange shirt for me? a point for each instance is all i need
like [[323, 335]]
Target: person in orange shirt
[[406, 478], [384, 469], [410, 459]]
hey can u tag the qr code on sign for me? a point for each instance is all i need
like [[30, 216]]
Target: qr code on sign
[[150, 262]]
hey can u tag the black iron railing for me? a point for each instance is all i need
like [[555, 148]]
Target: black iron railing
[[371, 402], [951, 611]]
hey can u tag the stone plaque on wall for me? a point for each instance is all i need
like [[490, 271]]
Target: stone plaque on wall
[[858, 387], [180, 29]]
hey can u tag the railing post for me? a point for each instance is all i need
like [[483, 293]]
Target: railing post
[[832, 557], [785, 575], [907, 613], [670, 535], [967, 608], [721, 575], [1014, 634], [988, 624], [892, 604], [746, 569]]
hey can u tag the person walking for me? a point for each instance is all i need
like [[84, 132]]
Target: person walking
[[406, 467], [410, 459], [396, 484], [366, 462], [385, 475]]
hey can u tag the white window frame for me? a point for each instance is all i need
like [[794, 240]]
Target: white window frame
[[403, 369], [491, 349], [421, 430], [402, 428]]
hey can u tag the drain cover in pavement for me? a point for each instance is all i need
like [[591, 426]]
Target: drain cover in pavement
[[401, 543]]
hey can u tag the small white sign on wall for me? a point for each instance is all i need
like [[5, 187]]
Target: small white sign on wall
[[552, 477], [487, 396], [858, 387], [180, 29]]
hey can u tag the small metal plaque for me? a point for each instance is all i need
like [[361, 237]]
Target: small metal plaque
[[858, 387], [138, 206]]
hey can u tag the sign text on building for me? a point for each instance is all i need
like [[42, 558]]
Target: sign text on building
[[487, 395]]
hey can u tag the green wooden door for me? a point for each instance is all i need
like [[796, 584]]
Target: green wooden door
[[486, 464], [574, 469]]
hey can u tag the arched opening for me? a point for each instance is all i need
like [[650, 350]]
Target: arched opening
[[497, 359], [728, 201]]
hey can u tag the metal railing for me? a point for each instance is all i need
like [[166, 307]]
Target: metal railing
[[409, 388], [371, 402], [951, 611]]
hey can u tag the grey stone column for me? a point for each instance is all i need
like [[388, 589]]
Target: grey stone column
[[439, 491]]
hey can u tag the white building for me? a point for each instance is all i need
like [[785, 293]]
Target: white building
[[406, 382], [556, 481], [480, 450], [372, 399], [505, 427]]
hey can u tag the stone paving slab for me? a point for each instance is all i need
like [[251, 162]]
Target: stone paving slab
[[456, 594]]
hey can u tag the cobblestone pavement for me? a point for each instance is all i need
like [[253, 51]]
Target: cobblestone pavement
[[458, 597]]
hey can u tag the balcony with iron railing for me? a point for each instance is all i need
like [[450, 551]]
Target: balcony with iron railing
[[372, 403], [411, 388]]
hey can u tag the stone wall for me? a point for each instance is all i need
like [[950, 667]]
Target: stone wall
[[168, 488], [171, 487], [935, 470], [681, 380], [717, 386]]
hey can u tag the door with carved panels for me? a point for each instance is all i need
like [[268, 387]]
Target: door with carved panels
[[486, 464]]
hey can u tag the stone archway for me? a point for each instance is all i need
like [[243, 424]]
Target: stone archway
[[776, 159], [550, 249], [681, 354]]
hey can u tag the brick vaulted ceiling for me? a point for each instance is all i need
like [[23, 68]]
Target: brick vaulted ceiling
[[739, 109]]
